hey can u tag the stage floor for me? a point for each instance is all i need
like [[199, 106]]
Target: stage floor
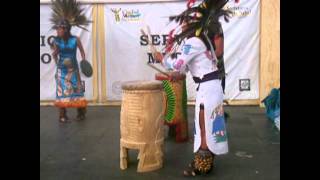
[[89, 150]]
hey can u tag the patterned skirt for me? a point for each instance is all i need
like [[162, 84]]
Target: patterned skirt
[[70, 89]]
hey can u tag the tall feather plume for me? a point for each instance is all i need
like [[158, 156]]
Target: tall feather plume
[[210, 10], [69, 10]]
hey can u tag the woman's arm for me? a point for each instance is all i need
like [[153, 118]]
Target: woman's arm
[[79, 44], [190, 49], [55, 52]]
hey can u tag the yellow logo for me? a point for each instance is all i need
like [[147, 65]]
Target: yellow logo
[[116, 14], [126, 15]]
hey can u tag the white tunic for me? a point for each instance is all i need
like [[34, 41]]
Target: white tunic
[[196, 59]]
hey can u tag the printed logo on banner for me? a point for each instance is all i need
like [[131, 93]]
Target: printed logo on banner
[[132, 15], [244, 84], [116, 14]]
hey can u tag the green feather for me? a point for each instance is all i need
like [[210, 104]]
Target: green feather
[[171, 101]]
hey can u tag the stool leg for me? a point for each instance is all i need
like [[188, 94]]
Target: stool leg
[[141, 157], [123, 157]]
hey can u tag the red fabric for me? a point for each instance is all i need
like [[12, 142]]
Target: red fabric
[[71, 104]]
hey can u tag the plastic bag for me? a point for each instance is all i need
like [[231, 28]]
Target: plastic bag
[[272, 104]]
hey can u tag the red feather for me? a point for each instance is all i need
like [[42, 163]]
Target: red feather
[[170, 41], [190, 3]]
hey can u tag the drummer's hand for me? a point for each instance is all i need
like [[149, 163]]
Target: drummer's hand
[[175, 76], [158, 56]]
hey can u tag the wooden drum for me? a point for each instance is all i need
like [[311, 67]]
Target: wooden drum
[[141, 124], [176, 106]]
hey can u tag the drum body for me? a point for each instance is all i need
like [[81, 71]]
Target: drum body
[[141, 123], [176, 106]]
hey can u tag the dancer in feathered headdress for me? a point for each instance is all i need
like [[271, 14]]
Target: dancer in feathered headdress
[[202, 52], [69, 90]]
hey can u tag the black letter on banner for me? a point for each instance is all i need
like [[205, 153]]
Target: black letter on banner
[[50, 41], [42, 39], [46, 60], [165, 38], [151, 60], [155, 39], [143, 40]]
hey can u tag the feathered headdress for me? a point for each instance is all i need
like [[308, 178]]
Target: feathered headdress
[[67, 13], [202, 19]]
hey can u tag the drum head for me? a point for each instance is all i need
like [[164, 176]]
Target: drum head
[[142, 85], [161, 77], [86, 68]]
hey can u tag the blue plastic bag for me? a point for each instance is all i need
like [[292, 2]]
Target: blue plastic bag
[[272, 104]]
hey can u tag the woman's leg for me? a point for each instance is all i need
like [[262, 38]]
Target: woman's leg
[[63, 115], [81, 114]]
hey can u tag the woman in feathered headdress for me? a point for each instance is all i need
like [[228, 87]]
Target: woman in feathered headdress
[[202, 39], [69, 91]]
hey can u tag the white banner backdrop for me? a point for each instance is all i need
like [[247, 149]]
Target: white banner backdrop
[[47, 64], [127, 52]]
